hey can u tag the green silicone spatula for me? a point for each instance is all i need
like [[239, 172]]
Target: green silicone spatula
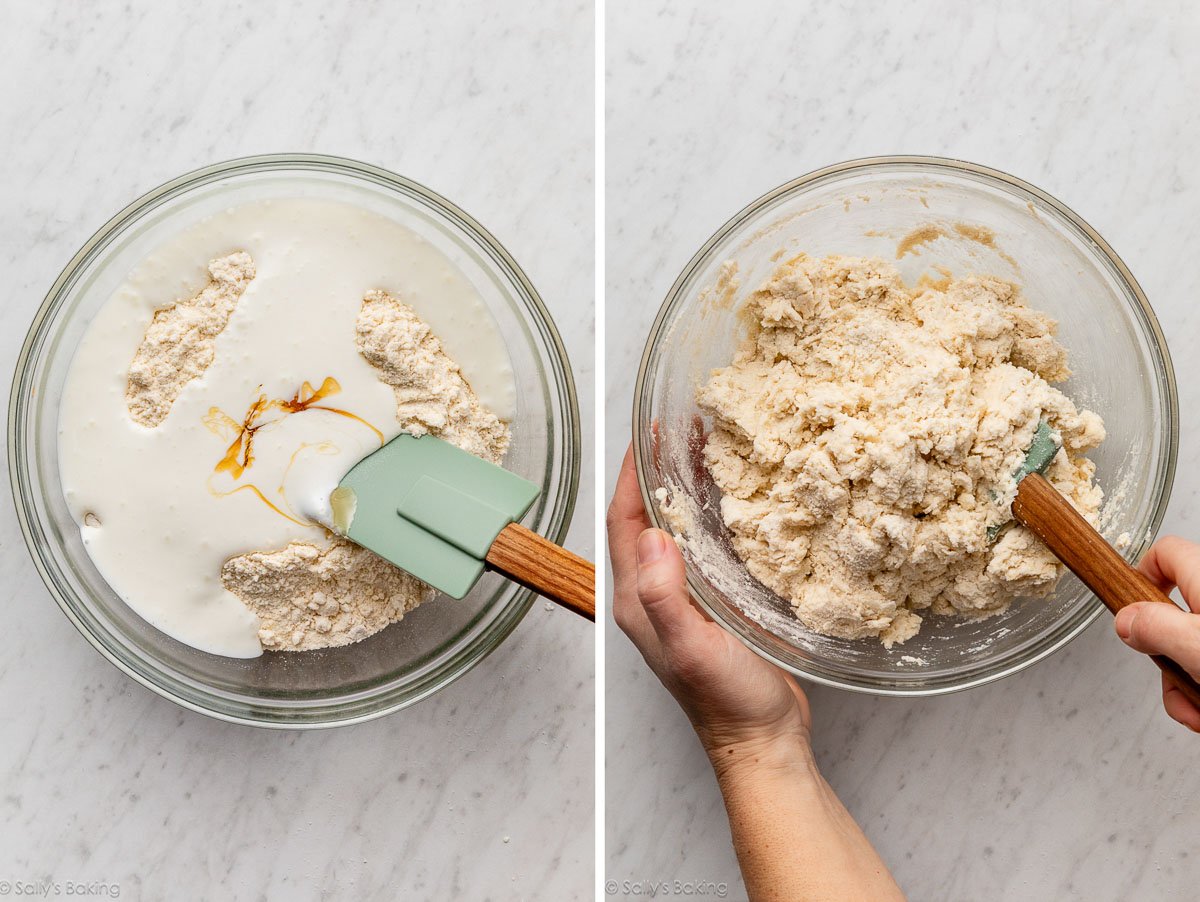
[[1041, 508], [445, 516]]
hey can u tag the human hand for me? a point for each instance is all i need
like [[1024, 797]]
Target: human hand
[[741, 706], [751, 717], [1159, 629]]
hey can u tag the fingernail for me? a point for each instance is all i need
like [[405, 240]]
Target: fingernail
[[1124, 624], [650, 546]]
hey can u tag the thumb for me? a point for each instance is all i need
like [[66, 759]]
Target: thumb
[[662, 586], [1155, 628]]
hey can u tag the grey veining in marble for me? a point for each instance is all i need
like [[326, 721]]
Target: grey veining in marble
[[484, 791], [1066, 781]]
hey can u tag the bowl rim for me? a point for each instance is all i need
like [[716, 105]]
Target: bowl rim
[[461, 660], [1168, 454]]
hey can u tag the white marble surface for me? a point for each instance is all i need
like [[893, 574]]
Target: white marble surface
[[1064, 782], [484, 791]]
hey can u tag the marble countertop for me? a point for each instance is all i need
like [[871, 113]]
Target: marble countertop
[[484, 790], [1066, 781]]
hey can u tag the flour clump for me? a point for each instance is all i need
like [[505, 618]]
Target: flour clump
[[432, 397], [308, 597], [180, 342], [865, 439]]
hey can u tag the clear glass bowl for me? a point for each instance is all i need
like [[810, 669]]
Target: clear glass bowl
[[433, 645], [1121, 365]]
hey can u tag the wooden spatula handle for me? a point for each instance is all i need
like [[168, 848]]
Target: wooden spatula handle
[[1051, 517], [550, 570]]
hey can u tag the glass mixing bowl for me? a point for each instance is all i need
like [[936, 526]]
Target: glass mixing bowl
[[993, 224], [434, 644]]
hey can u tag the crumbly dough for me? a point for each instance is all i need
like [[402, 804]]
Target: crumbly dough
[[180, 342], [306, 596], [866, 436]]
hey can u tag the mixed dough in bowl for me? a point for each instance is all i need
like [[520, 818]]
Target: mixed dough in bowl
[[866, 436]]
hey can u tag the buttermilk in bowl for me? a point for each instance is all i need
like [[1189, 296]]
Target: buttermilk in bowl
[[243, 368]]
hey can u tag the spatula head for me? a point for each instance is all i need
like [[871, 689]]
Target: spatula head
[[1041, 451], [430, 508]]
